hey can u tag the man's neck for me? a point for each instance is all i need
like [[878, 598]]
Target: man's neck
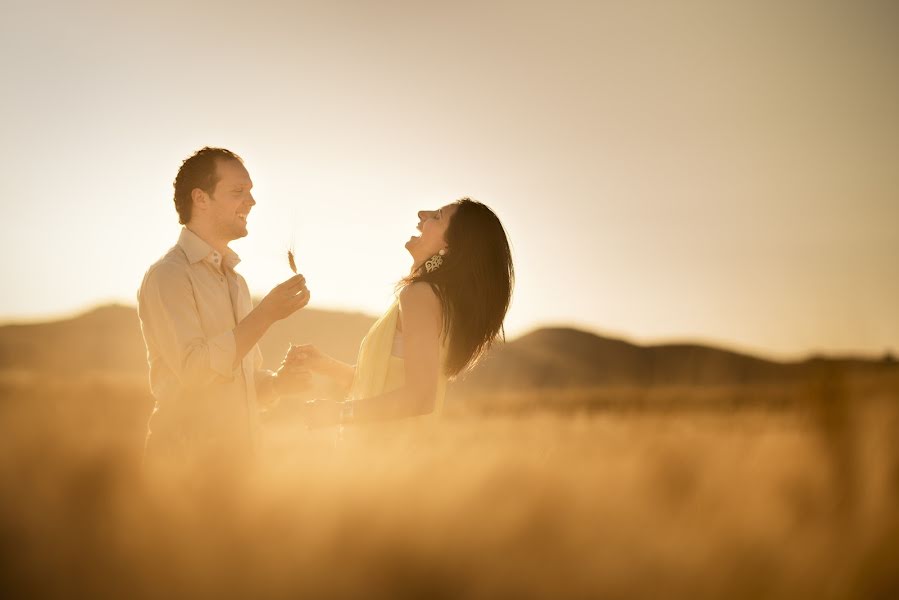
[[219, 245]]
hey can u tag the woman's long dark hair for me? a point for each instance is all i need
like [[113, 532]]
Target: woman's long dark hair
[[474, 283]]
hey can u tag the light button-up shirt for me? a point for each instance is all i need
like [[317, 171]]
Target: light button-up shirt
[[189, 303]]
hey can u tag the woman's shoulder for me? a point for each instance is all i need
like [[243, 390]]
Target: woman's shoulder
[[420, 310], [419, 297], [419, 293]]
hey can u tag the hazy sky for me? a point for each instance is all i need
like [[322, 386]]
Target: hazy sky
[[720, 171]]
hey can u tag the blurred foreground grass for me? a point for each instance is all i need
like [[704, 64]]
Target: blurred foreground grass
[[648, 497]]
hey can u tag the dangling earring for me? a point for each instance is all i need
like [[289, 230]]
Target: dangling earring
[[435, 261]]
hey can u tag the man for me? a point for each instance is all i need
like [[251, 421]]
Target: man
[[199, 324]]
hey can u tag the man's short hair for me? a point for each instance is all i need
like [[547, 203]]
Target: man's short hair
[[198, 171]]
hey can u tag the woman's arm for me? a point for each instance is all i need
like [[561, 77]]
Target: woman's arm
[[310, 357], [339, 371]]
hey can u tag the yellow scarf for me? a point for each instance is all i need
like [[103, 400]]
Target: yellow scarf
[[377, 370], [373, 361]]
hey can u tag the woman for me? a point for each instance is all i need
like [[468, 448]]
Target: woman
[[448, 312]]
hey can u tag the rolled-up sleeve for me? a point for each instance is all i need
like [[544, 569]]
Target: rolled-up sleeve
[[166, 303], [263, 377]]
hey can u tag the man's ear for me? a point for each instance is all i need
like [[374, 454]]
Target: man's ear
[[199, 198]]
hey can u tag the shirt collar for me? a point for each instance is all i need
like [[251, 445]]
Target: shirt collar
[[196, 250]]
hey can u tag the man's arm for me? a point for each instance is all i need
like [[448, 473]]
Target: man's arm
[[284, 300], [167, 306]]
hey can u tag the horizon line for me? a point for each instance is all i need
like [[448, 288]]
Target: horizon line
[[735, 347]]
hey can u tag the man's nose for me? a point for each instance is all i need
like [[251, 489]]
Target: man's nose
[[252, 200]]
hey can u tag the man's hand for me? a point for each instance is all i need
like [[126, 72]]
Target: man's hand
[[285, 299], [289, 380], [306, 356]]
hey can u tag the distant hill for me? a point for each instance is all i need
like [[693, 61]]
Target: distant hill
[[560, 357], [569, 359], [554, 358], [109, 339]]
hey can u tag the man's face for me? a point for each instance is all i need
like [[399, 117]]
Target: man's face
[[231, 201]]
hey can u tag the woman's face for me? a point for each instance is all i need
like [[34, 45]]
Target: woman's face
[[433, 225]]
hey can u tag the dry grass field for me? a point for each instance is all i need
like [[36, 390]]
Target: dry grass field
[[620, 494]]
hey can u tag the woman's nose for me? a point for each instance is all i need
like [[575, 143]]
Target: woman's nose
[[252, 200]]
